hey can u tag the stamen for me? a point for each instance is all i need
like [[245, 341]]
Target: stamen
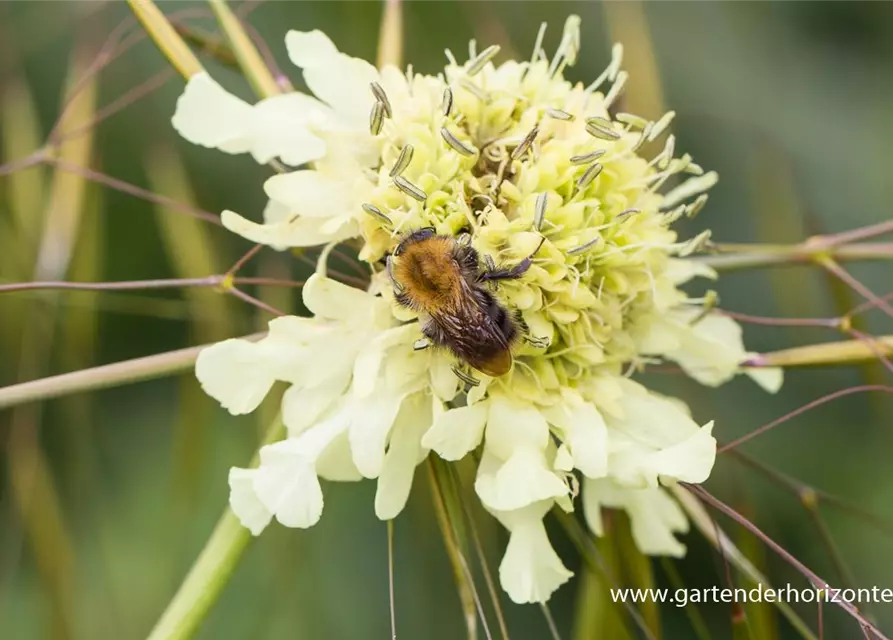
[[558, 114], [618, 86], [478, 63], [447, 104], [632, 120], [375, 212], [410, 189], [382, 97], [537, 343], [586, 158], [601, 128], [456, 144], [403, 160], [690, 187], [695, 207], [473, 89], [610, 73], [376, 118], [661, 124], [625, 214], [525, 143], [644, 136], [711, 301], [583, 247], [538, 44], [697, 243], [590, 175], [421, 345], [539, 212]]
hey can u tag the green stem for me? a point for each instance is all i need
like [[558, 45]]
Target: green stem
[[249, 59], [109, 375], [745, 256], [166, 37], [829, 353], [211, 571]]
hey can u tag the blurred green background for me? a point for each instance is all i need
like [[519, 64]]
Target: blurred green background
[[106, 498]]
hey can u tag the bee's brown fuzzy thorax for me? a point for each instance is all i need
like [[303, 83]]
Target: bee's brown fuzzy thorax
[[429, 275], [442, 278]]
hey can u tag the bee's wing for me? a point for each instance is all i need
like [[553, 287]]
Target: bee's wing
[[472, 335]]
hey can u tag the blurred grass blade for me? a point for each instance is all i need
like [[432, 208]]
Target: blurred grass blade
[[109, 375], [211, 571], [760, 615], [166, 37], [390, 35], [35, 494], [692, 610], [189, 247], [464, 583], [596, 615], [718, 539], [637, 570], [253, 66]]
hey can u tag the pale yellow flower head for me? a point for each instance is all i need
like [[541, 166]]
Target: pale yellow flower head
[[520, 163]]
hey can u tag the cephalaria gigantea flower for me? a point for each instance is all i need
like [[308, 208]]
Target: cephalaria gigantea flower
[[519, 164]]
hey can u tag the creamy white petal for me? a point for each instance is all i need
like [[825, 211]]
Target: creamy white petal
[[457, 432], [331, 299], [304, 406], [338, 79], [655, 517], [690, 460], [295, 231], [369, 429], [309, 48], [234, 373], [210, 116], [584, 433], [769, 378], [287, 484], [523, 479], [280, 126], [530, 570], [370, 361], [335, 463], [311, 193], [444, 382], [404, 453], [513, 423], [244, 502]]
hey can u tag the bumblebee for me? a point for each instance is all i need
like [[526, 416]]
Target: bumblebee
[[444, 279]]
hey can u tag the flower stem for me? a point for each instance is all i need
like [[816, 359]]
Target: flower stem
[[262, 81], [166, 37], [108, 375], [746, 256], [211, 571], [842, 352], [718, 539]]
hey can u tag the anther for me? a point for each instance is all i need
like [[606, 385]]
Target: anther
[[475, 66], [382, 97], [525, 143], [558, 114], [421, 345], [403, 160], [447, 104], [375, 212], [586, 158], [601, 128], [410, 189], [539, 211], [590, 175], [376, 118], [464, 377], [456, 144], [583, 247]]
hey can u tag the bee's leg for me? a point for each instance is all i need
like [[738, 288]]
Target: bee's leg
[[533, 341], [494, 273]]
